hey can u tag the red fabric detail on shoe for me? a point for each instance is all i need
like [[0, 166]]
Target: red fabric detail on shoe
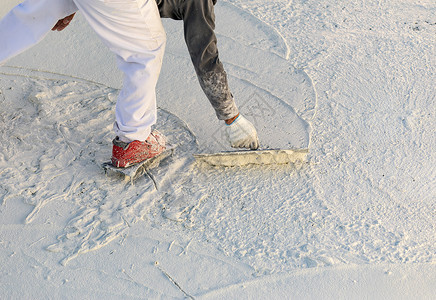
[[138, 151]]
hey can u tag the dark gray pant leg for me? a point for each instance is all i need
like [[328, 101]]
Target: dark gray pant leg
[[199, 24]]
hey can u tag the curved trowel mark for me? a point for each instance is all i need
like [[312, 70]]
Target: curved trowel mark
[[260, 34]]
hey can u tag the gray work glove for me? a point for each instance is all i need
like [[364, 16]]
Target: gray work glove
[[242, 134]]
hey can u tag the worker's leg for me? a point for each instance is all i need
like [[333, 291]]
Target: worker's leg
[[132, 29]]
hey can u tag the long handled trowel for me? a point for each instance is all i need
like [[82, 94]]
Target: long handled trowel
[[257, 157]]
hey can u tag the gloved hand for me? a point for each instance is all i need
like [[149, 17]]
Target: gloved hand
[[242, 134]]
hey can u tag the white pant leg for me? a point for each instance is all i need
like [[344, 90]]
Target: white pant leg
[[133, 30], [27, 24]]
